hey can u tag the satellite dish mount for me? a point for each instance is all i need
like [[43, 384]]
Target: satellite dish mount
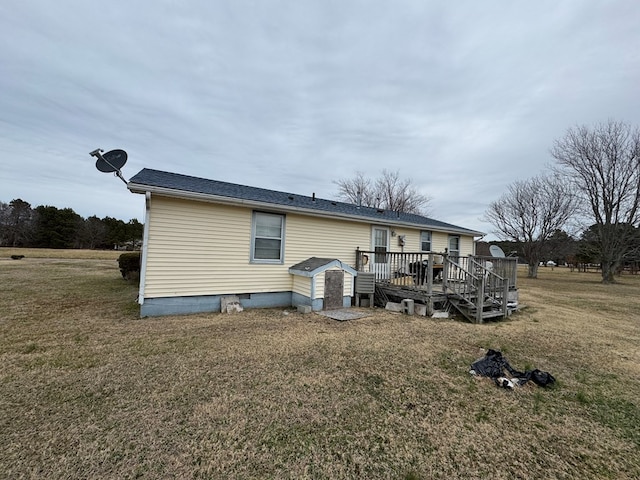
[[111, 161]]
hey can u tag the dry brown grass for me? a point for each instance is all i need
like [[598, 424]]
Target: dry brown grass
[[50, 253], [88, 390]]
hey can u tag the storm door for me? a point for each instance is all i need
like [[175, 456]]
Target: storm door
[[454, 247], [380, 241]]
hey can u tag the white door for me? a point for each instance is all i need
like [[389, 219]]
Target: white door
[[380, 245], [454, 247]]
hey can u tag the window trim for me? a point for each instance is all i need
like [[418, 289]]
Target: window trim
[[268, 261], [430, 240]]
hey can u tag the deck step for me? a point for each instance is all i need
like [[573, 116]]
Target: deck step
[[469, 310]]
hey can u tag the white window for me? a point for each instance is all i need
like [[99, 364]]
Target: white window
[[267, 238], [425, 241]]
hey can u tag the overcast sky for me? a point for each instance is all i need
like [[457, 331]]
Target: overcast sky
[[463, 97]]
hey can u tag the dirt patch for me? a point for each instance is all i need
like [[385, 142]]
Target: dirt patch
[[344, 314]]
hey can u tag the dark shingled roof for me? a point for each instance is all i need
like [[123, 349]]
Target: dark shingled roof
[[312, 263], [184, 183], [312, 266]]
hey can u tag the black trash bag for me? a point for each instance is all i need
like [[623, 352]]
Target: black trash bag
[[494, 364], [543, 379]]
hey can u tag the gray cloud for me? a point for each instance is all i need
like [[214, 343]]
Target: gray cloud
[[463, 98]]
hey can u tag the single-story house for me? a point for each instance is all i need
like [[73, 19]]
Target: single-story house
[[206, 239]]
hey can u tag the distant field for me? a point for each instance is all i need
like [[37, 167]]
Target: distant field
[[6, 252], [89, 390]]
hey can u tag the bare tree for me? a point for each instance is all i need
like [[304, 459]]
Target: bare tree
[[359, 190], [530, 213], [603, 162], [388, 191]]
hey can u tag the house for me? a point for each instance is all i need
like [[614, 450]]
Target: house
[[206, 239]]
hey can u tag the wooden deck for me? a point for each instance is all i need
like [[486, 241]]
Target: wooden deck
[[479, 288]]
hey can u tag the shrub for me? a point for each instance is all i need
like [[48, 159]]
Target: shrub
[[129, 264]]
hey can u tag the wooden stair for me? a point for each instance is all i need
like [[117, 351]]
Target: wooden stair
[[478, 293], [469, 310]]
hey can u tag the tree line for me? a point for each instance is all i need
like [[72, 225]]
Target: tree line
[[50, 227], [565, 249]]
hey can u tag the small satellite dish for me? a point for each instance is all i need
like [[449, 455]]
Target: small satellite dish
[[496, 251], [110, 162]]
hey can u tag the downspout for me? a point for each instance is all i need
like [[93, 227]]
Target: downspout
[[145, 247]]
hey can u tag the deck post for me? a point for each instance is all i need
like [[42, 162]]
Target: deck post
[[430, 285], [480, 300], [445, 272], [505, 299]]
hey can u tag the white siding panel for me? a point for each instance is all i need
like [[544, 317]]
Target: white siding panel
[[348, 285], [319, 280]]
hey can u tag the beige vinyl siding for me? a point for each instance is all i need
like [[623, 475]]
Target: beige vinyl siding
[[466, 246], [411, 240], [324, 237], [302, 285], [196, 248], [199, 248], [439, 242]]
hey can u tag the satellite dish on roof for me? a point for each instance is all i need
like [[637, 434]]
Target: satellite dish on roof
[[110, 162], [496, 251]]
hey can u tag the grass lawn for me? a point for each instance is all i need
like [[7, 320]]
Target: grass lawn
[[89, 390]]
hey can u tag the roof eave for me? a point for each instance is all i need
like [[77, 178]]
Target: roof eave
[[212, 198]]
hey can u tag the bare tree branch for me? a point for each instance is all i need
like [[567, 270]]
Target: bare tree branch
[[530, 213], [603, 163], [388, 191]]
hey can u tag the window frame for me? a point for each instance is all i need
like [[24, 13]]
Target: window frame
[[430, 240], [252, 253]]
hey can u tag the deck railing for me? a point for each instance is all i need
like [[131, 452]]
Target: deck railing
[[473, 281], [476, 280], [416, 270], [411, 268]]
